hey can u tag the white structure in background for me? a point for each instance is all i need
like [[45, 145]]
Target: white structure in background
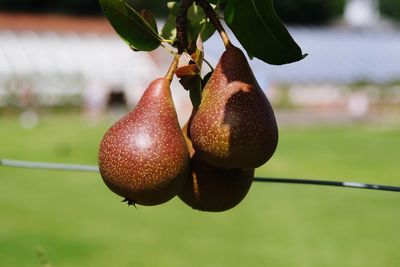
[[361, 12], [55, 63], [358, 104], [58, 65]]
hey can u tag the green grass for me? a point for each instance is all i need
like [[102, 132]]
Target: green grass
[[77, 221]]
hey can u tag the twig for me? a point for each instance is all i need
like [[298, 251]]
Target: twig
[[94, 168], [181, 22]]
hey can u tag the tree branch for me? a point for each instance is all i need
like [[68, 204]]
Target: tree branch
[[181, 22]]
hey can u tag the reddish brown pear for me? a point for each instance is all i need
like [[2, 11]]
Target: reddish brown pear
[[144, 157], [213, 189], [235, 125]]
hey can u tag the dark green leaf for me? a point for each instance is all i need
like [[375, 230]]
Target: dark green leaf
[[146, 14], [207, 31], [192, 84], [195, 90], [216, 2], [261, 32], [205, 79], [132, 27]]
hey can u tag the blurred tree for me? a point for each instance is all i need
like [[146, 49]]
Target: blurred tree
[[390, 8], [79, 7], [309, 11], [20, 4], [59, 6], [74, 6]]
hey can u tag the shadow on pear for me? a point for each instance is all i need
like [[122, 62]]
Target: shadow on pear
[[235, 125]]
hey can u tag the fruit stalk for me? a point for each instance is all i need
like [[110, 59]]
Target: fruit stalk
[[209, 11], [172, 68]]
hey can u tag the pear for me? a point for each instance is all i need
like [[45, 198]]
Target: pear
[[144, 157], [235, 125], [213, 189]]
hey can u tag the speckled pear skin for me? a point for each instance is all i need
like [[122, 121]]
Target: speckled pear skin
[[213, 189], [235, 125], [144, 157]]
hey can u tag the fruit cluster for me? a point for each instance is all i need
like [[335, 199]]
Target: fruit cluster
[[146, 158]]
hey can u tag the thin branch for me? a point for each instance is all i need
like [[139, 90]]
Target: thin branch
[[181, 22], [94, 168]]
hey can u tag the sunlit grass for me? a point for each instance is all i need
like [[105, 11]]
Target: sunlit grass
[[77, 221]]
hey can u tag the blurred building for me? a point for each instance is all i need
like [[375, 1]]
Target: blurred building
[[61, 58], [361, 12], [76, 60]]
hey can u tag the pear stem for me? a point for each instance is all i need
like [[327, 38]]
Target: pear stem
[[172, 68], [209, 11]]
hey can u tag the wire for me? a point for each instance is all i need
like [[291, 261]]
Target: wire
[[328, 183], [95, 168], [48, 166]]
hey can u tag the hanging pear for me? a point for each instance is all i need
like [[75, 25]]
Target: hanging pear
[[144, 157], [213, 189], [235, 125]]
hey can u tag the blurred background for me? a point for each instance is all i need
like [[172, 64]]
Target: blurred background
[[65, 77]]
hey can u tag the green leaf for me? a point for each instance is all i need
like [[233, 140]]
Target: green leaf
[[205, 79], [195, 91], [148, 16], [132, 27], [216, 2], [173, 7], [261, 32], [199, 24], [169, 30], [207, 31]]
